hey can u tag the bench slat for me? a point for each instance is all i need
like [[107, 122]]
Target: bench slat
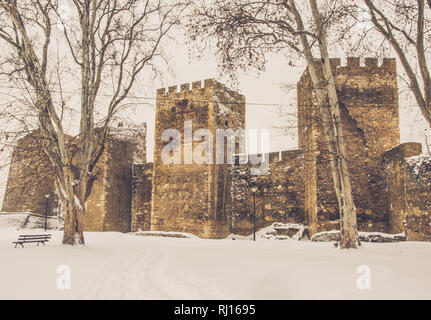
[[35, 237]]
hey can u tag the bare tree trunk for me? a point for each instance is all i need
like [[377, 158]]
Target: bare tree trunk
[[325, 88], [73, 231], [349, 230], [73, 210]]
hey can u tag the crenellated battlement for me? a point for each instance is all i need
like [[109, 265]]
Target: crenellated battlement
[[187, 87], [274, 156], [355, 67], [370, 65], [197, 89]]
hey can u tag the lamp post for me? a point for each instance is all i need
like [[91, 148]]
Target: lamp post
[[46, 211], [254, 190]]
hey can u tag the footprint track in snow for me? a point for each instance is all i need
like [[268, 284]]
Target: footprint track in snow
[[144, 274]]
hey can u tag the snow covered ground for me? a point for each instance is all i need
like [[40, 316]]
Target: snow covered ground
[[127, 266]]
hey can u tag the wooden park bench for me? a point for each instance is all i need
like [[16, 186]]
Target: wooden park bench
[[29, 238]]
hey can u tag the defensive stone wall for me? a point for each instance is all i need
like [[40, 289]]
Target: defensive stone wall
[[408, 176], [279, 196]]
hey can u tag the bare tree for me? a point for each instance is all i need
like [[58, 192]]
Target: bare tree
[[109, 43], [405, 25], [246, 31]]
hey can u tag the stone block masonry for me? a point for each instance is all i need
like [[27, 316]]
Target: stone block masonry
[[141, 196], [109, 205], [409, 184], [418, 221], [30, 178]]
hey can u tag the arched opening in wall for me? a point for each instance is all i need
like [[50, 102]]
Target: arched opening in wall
[[261, 215], [221, 195], [225, 150]]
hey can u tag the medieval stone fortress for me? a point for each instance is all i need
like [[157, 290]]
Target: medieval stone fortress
[[391, 185]]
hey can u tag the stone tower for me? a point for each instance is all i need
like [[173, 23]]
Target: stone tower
[[368, 98], [191, 196], [30, 179], [109, 206]]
